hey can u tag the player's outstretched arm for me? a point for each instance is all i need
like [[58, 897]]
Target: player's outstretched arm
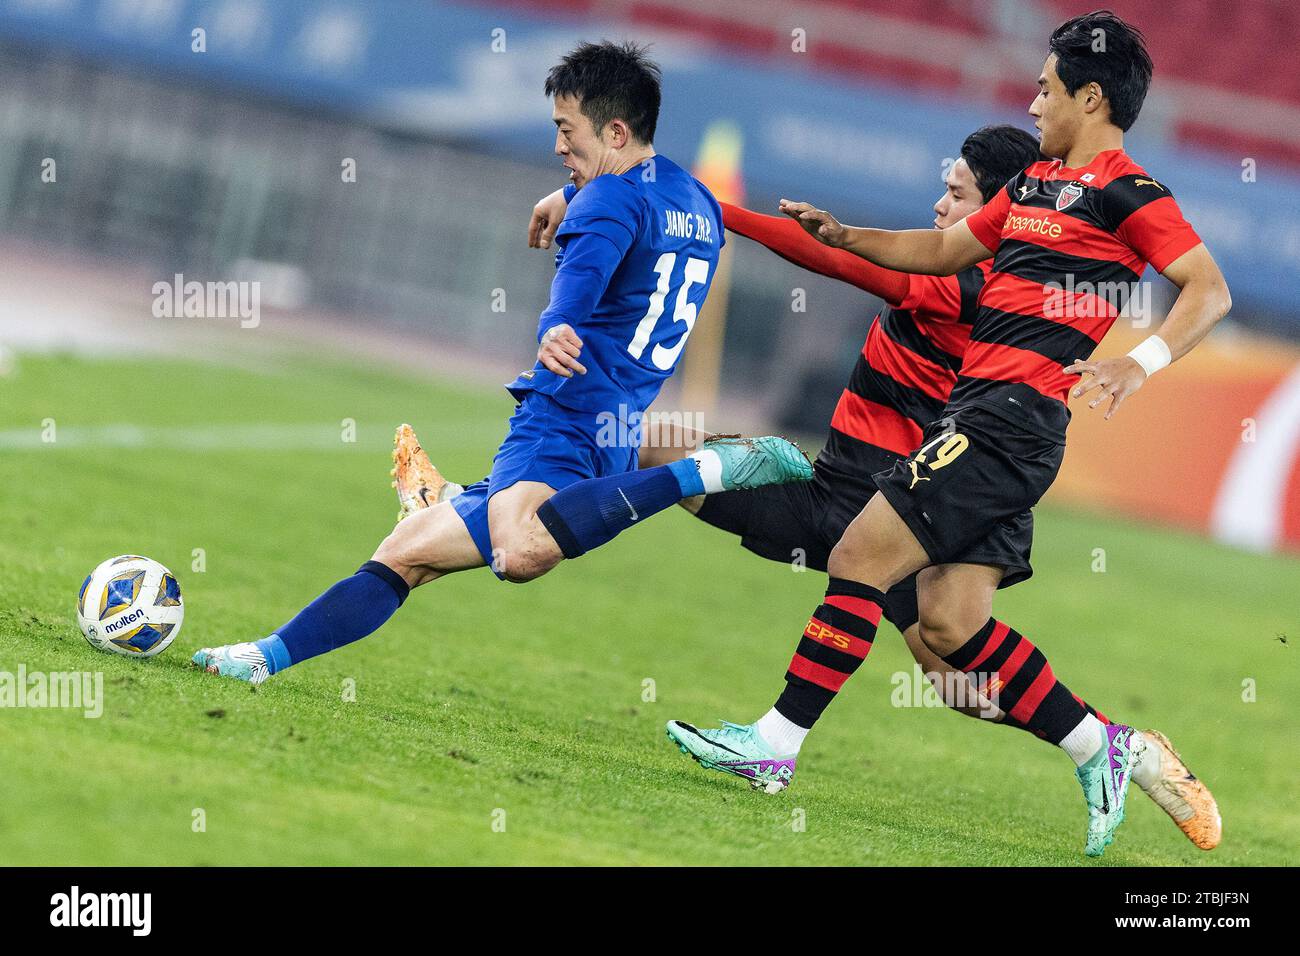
[[936, 252], [1203, 299], [789, 241]]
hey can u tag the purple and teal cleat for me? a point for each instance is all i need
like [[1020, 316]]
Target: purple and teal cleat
[[1105, 780], [735, 749]]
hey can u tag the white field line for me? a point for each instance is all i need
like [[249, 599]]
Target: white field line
[[258, 437]]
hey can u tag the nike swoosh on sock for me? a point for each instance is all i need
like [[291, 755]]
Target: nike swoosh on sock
[[635, 516]]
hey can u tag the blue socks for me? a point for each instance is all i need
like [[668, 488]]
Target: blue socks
[[687, 472], [347, 612], [590, 513]]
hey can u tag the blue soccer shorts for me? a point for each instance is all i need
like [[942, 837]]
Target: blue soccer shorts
[[552, 444]]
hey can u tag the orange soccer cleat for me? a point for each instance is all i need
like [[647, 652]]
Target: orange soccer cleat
[[1180, 794], [419, 484]]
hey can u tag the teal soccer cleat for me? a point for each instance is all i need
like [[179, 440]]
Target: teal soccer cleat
[[754, 462], [735, 749], [1105, 780], [241, 661]]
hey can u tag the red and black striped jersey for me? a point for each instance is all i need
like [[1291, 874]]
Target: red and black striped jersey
[[908, 366], [903, 376], [1070, 247]]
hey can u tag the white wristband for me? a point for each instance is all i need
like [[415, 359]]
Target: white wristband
[[1153, 354]]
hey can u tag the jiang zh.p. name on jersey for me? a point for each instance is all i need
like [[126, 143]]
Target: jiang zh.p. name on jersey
[[1070, 246]]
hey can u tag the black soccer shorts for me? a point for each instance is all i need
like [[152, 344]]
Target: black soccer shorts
[[802, 521], [966, 493]]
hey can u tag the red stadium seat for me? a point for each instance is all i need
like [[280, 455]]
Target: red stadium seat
[[1201, 44]]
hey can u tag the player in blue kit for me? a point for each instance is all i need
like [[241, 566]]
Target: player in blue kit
[[637, 252]]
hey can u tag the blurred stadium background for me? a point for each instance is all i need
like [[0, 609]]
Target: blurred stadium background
[[211, 138]]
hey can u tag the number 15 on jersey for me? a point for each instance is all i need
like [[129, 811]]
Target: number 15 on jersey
[[696, 272]]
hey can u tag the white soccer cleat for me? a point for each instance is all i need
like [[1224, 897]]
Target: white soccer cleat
[[241, 661]]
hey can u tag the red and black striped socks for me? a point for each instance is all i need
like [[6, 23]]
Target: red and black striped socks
[[1010, 721], [834, 643], [1015, 676], [1006, 668]]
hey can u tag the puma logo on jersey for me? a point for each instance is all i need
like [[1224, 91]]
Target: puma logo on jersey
[[1025, 190], [1148, 182], [915, 477]]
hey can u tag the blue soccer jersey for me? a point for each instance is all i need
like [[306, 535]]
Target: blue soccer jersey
[[636, 254]]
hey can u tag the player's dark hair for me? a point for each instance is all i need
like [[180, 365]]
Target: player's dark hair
[[994, 154], [1101, 48], [611, 81]]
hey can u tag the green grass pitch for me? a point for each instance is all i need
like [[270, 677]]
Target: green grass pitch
[[484, 704]]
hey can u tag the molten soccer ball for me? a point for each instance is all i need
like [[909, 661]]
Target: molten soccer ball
[[130, 605]]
